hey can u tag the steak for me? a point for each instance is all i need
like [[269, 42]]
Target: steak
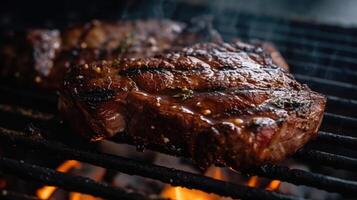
[[40, 56], [223, 104]]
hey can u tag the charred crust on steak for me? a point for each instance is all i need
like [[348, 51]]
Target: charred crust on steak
[[96, 96]]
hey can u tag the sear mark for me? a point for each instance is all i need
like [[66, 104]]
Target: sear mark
[[96, 96]]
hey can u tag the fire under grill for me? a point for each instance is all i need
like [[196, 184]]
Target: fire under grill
[[324, 57]]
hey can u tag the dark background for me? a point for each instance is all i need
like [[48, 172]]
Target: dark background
[[20, 14]]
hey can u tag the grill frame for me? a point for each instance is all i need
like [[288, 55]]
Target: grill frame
[[341, 91]]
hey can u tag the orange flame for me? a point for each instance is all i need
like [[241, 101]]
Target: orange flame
[[253, 181], [2, 183], [180, 193], [94, 173], [79, 196], [47, 191], [273, 185]]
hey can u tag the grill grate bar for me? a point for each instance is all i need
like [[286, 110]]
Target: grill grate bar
[[26, 112], [177, 177], [306, 35], [10, 195], [340, 118], [298, 28], [333, 138], [304, 48], [323, 71], [329, 87], [329, 159], [29, 98], [132, 167], [344, 53], [342, 106], [36, 95], [299, 51], [300, 177], [63, 180]]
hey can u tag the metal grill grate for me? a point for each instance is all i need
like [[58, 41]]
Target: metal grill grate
[[319, 55]]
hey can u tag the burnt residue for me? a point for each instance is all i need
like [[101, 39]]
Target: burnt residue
[[136, 71], [133, 71], [96, 96]]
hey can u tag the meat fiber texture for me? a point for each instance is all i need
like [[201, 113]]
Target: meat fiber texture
[[226, 104]]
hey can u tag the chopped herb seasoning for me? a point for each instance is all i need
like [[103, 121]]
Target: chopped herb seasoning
[[125, 43], [184, 94]]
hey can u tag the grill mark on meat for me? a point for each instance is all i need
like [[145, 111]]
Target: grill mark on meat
[[96, 96], [139, 71], [266, 106], [209, 80], [152, 69]]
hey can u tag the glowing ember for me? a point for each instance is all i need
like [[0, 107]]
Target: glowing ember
[[180, 193], [92, 172], [46, 191], [2, 183], [253, 181], [79, 196], [273, 185], [215, 173]]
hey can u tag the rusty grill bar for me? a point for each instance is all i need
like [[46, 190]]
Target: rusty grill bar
[[336, 77]]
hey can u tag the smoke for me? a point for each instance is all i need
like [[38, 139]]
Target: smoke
[[141, 9]]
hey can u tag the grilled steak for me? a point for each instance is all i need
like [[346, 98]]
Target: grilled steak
[[42, 56], [223, 104]]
